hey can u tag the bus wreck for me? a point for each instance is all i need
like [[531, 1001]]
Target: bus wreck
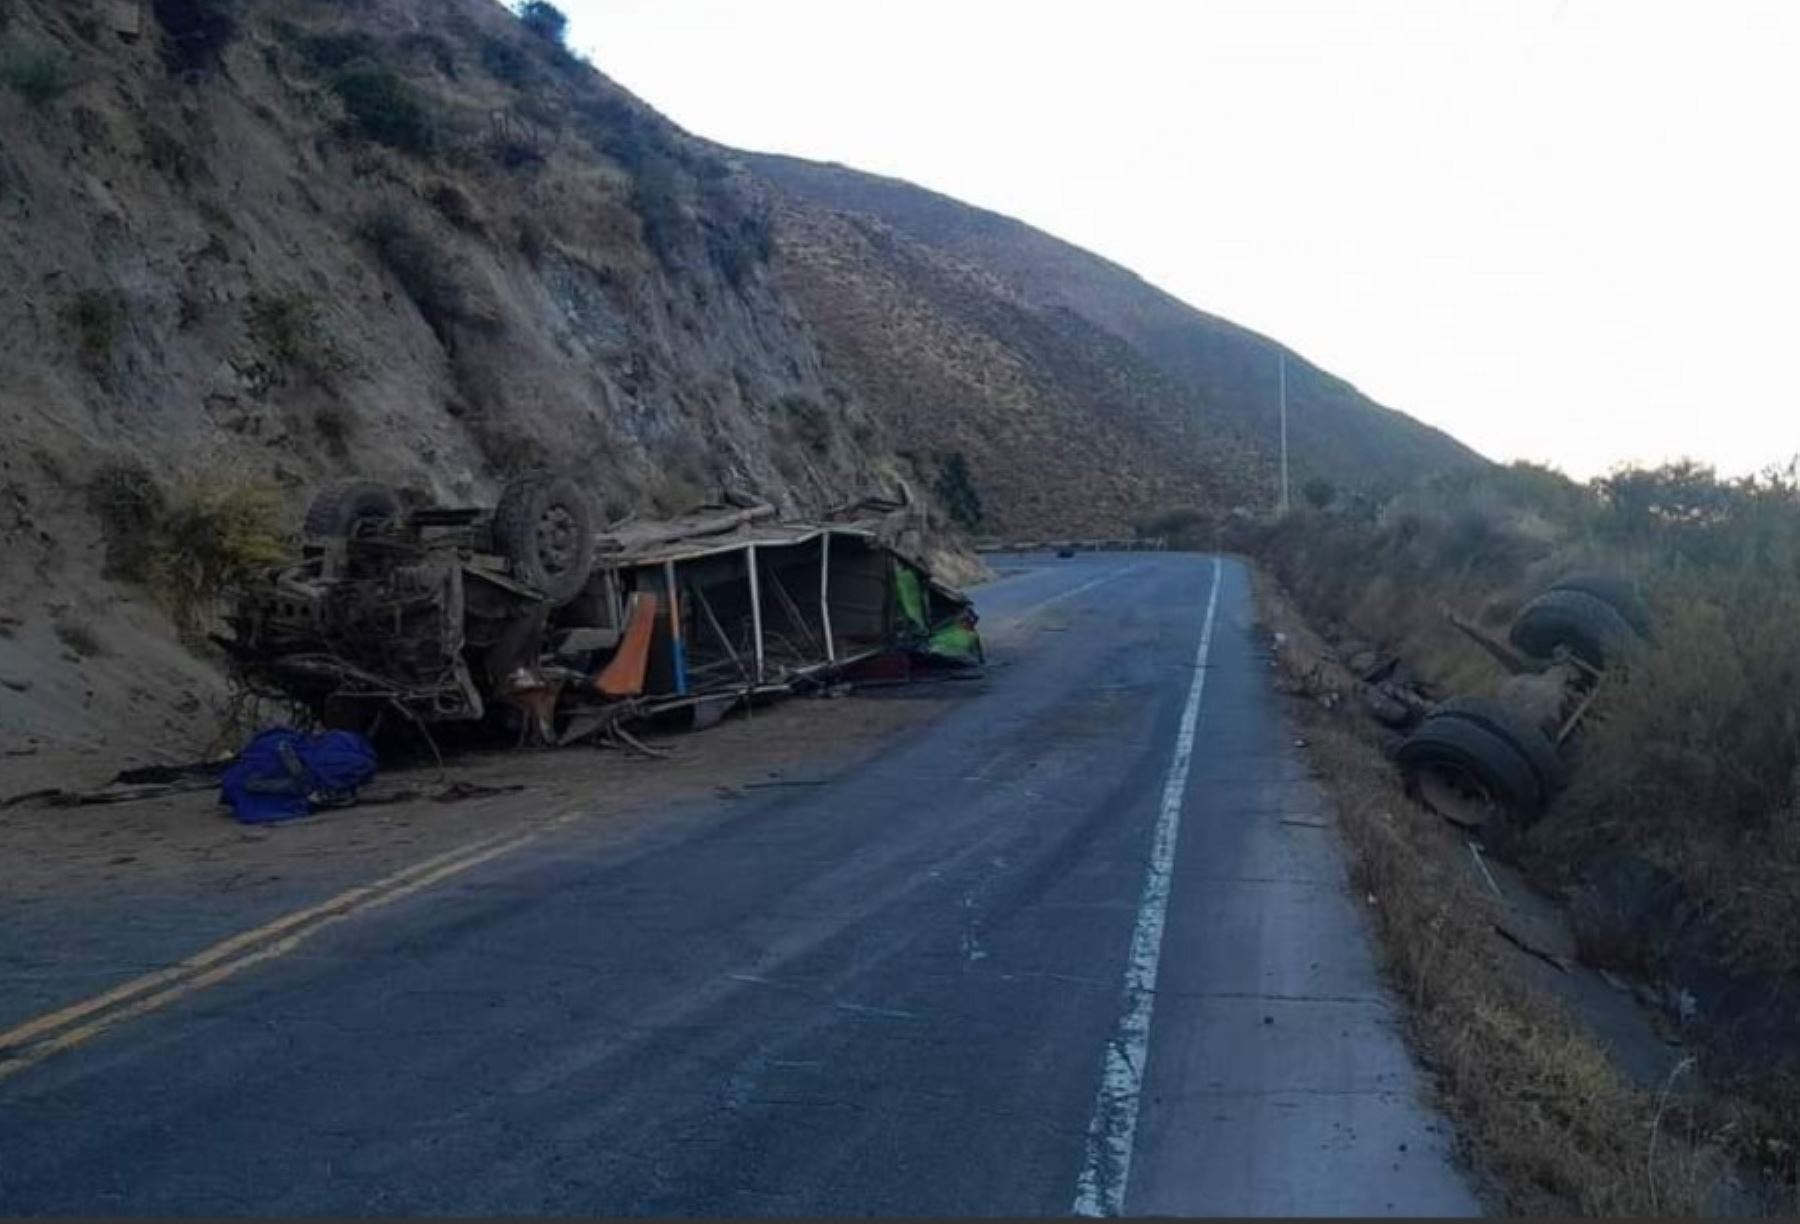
[[528, 618]]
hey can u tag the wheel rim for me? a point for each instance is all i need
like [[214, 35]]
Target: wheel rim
[[1457, 795], [557, 545]]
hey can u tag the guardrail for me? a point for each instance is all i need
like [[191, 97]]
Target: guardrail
[[1121, 544]]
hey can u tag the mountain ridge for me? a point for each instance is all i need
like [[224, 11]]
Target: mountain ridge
[[1226, 363]]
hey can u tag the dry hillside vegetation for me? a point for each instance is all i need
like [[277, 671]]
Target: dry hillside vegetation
[[1191, 379], [1065, 428], [1678, 842]]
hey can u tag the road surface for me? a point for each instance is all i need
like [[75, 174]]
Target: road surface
[[1081, 943]]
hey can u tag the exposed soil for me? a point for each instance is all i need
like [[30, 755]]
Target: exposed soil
[[188, 843]]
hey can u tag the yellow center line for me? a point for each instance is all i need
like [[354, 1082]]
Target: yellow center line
[[215, 964], [230, 969]]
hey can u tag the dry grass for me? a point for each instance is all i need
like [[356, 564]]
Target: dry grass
[[1540, 1108], [216, 532]]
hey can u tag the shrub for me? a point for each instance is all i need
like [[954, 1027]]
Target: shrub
[[657, 198], [331, 52], [739, 237], [96, 317], [384, 108], [196, 32], [506, 61], [1180, 526], [39, 77], [78, 636], [544, 20], [808, 421], [335, 427], [216, 535], [420, 265], [956, 490], [287, 328], [130, 506], [1318, 492], [169, 154]]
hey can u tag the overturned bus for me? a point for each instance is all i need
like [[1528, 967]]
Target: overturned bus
[[454, 614]]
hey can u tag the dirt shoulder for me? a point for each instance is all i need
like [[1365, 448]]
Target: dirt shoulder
[[1554, 1090]]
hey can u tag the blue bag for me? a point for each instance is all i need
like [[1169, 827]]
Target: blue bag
[[282, 774]]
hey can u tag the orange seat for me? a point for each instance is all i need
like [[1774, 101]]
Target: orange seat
[[623, 676]]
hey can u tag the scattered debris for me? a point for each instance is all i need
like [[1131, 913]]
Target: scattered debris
[[282, 774], [1549, 958], [1475, 853]]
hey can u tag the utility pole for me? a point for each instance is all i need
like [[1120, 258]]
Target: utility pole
[[1284, 446]]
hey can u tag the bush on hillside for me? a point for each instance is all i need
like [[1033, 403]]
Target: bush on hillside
[[96, 318], [423, 268], [544, 20], [506, 61], [808, 421], [1180, 526], [956, 492], [39, 77], [130, 505], [195, 32], [382, 107], [658, 199], [331, 52], [214, 535], [288, 329]]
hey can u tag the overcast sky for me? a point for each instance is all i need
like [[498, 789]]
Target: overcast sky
[[1565, 230]]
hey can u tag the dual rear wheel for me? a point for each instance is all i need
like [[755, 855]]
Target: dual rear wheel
[[544, 526], [1474, 758]]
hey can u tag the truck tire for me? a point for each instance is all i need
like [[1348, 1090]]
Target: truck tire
[[343, 509], [1587, 625], [1522, 735], [1471, 756], [544, 527], [1622, 593]]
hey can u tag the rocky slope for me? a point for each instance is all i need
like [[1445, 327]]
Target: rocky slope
[[250, 246]]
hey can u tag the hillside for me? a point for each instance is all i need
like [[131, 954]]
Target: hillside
[[1223, 373], [250, 247]]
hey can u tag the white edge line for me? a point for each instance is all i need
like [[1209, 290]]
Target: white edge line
[[1100, 1189]]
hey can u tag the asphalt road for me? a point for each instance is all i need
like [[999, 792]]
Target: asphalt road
[[1083, 942]]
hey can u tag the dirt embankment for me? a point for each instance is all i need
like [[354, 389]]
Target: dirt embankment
[[1567, 1096], [1672, 851]]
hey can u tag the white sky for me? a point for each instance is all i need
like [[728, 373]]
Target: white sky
[[1564, 230]]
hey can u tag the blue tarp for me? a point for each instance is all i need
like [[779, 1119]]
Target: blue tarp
[[282, 774]]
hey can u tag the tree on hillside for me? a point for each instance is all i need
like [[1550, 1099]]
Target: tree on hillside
[[545, 20], [956, 490]]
